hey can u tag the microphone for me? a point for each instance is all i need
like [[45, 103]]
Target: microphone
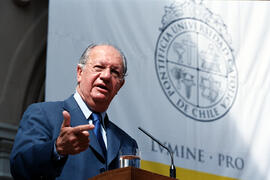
[[172, 167]]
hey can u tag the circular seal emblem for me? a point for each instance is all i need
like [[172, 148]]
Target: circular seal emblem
[[196, 69]]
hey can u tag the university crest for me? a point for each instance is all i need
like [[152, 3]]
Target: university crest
[[194, 61]]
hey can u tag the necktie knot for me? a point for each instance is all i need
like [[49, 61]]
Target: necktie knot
[[96, 117]]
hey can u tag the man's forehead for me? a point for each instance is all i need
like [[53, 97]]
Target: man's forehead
[[105, 53]]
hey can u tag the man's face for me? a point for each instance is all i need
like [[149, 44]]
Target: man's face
[[101, 77]]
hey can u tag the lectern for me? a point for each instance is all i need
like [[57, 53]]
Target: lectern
[[130, 173]]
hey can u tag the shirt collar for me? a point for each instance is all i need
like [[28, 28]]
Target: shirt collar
[[84, 108]]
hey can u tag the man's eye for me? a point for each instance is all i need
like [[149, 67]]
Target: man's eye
[[115, 73], [98, 68]]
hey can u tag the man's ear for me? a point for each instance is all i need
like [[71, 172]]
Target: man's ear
[[79, 73]]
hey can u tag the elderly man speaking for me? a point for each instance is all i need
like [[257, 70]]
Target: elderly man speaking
[[74, 139]]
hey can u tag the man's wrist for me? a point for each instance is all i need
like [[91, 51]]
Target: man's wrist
[[56, 155]]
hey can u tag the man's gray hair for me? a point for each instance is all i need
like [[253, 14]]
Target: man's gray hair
[[85, 56]]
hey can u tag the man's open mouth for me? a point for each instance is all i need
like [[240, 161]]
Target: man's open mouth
[[102, 87]]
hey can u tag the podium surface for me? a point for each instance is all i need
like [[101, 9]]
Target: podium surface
[[130, 173]]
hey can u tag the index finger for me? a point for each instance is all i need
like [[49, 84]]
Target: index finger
[[82, 128]]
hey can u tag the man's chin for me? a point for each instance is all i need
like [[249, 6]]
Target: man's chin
[[101, 103], [100, 98]]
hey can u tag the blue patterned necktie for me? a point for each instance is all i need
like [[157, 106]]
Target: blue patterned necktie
[[96, 117]]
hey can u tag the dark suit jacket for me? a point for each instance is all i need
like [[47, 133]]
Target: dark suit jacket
[[32, 156]]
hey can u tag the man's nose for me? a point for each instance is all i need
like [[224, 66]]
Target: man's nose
[[106, 73]]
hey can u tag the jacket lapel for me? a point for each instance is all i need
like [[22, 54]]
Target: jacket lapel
[[113, 142], [77, 118], [94, 144]]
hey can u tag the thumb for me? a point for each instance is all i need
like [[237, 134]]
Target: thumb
[[66, 121]]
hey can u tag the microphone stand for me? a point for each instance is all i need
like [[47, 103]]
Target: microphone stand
[[172, 167]]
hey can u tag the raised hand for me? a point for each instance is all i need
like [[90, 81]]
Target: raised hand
[[72, 140]]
